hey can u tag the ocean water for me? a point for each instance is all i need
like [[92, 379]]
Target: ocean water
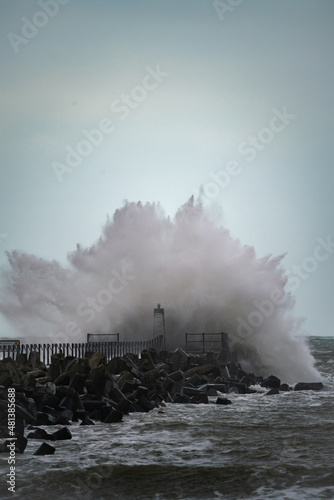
[[258, 447]]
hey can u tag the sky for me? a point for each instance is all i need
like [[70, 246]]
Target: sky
[[230, 101]]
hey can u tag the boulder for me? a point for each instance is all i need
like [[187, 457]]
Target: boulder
[[309, 386], [271, 392], [223, 401], [45, 449], [62, 434], [113, 417], [272, 382], [96, 359]]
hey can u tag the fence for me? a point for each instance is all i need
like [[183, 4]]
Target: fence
[[80, 350], [206, 342]]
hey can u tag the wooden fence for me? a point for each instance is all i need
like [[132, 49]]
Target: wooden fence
[[80, 350]]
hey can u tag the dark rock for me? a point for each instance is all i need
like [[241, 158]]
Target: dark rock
[[50, 388], [309, 386], [62, 434], [179, 398], [199, 399], [146, 362], [246, 379], [78, 382], [272, 382], [45, 449], [284, 387], [242, 388], [118, 365], [86, 421], [211, 390], [63, 379], [34, 359], [180, 359], [44, 418], [91, 405], [271, 392], [40, 434], [176, 376], [66, 403], [113, 417], [145, 404], [233, 389], [202, 370], [223, 401], [96, 359], [5, 380]]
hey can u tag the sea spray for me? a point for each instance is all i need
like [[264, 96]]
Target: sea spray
[[206, 281]]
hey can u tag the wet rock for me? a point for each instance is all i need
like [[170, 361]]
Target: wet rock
[[271, 392], [309, 386], [223, 401], [41, 434], [199, 399], [272, 382], [62, 434], [113, 417], [233, 390], [96, 359], [179, 398], [146, 362], [45, 449], [118, 365]]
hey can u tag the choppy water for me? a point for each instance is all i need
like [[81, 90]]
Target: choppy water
[[259, 447]]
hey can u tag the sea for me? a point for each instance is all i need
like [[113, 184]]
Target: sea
[[259, 447]]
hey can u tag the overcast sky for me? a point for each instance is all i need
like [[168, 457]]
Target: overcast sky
[[234, 96]]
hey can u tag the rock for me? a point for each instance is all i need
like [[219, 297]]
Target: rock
[[271, 392], [34, 360], [50, 388], [233, 390], [41, 434], [179, 359], [113, 417], [309, 386], [179, 398], [86, 421], [118, 365], [199, 399], [272, 382], [176, 376], [284, 387], [96, 359], [223, 401], [45, 449], [146, 362], [62, 434]]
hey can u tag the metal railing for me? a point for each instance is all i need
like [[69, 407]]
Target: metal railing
[[80, 350], [203, 342]]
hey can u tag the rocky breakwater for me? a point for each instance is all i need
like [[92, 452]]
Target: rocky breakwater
[[91, 389]]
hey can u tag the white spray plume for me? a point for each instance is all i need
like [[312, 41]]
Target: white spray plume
[[204, 279]]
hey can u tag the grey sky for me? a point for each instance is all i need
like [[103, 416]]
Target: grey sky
[[224, 80]]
